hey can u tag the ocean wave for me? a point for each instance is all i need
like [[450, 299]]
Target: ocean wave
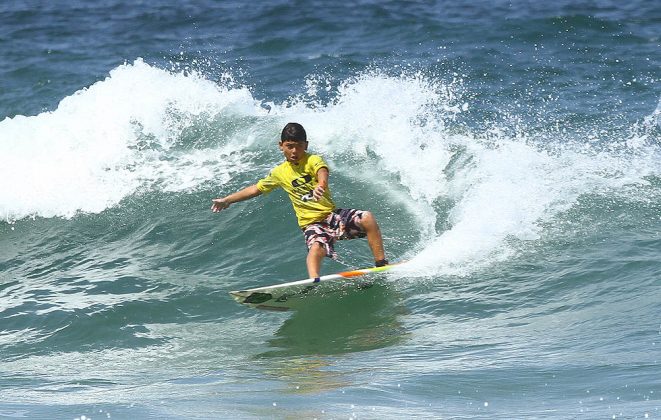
[[470, 193]]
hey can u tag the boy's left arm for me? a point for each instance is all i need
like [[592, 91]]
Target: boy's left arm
[[322, 184]]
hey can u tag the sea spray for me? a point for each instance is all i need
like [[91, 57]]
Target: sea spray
[[472, 194], [108, 141]]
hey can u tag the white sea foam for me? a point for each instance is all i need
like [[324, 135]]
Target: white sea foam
[[121, 136], [504, 189], [109, 141]]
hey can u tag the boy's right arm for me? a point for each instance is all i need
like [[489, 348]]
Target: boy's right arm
[[244, 194]]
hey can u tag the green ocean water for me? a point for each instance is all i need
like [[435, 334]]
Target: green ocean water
[[510, 152]]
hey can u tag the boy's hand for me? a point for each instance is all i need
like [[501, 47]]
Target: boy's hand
[[318, 192], [219, 204]]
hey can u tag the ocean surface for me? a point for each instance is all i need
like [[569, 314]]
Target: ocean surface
[[510, 150]]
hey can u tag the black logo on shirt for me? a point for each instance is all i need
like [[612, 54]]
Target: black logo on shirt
[[301, 181]]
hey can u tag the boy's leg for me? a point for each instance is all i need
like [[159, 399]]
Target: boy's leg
[[315, 257], [319, 237], [374, 239]]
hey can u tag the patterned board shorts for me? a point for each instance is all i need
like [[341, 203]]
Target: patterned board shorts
[[341, 224]]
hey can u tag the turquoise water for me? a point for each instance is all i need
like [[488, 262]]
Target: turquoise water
[[509, 150]]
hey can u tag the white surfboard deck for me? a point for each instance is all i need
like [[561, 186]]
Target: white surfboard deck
[[285, 296]]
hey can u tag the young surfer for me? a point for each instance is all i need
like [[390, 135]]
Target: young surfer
[[304, 177]]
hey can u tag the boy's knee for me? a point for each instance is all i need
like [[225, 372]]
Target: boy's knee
[[368, 220], [316, 247]]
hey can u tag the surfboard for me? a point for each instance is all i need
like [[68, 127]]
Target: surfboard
[[285, 296]]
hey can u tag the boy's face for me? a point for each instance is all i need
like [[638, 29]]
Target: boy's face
[[293, 150]]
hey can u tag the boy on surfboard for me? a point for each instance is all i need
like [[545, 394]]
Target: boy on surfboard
[[304, 177]]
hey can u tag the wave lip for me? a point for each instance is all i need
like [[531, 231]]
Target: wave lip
[[471, 196], [104, 142]]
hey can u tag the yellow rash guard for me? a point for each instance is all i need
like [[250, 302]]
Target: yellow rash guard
[[298, 180]]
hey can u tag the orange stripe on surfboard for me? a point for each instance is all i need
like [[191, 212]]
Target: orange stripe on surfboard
[[352, 273]]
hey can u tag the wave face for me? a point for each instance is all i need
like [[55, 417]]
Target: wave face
[[517, 168]]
